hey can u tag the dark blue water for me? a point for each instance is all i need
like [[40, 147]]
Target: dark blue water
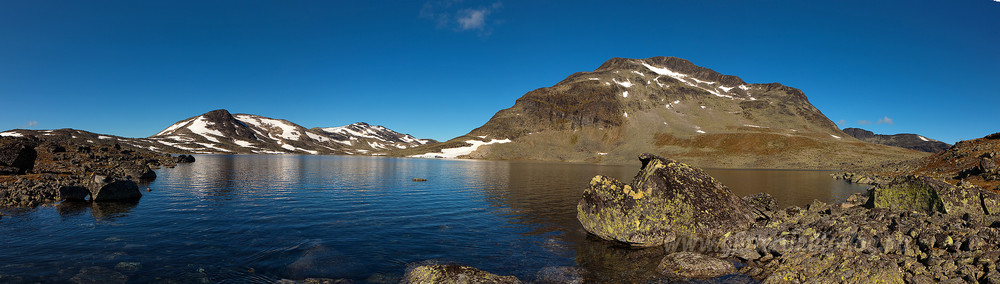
[[264, 218]]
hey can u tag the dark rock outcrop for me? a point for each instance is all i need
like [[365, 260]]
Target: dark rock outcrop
[[452, 273], [106, 188], [17, 155], [665, 201], [184, 158], [73, 193], [694, 265], [66, 161]]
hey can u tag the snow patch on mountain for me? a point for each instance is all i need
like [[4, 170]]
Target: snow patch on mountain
[[626, 84], [451, 153], [288, 132]]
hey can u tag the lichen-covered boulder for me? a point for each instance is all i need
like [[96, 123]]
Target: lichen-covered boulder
[[665, 201], [452, 273], [694, 265], [925, 194]]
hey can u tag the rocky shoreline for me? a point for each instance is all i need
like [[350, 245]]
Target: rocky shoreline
[[973, 162], [37, 170], [910, 229]]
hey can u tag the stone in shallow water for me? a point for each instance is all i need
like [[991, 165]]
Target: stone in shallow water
[[694, 265], [560, 274], [666, 200], [128, 267], [452, 273], [98, 274]]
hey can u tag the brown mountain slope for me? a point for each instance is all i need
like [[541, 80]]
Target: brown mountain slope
[[671, 107], [975, 161]]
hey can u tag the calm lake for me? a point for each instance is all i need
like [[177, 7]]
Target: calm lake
[[238, 219]]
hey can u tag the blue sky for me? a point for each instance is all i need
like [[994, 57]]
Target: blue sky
[[437, 69]]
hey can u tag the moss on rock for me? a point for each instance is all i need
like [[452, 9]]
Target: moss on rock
[[666, 200]]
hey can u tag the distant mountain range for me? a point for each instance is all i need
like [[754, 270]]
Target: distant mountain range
[[661, 105], [670, 107], [905, 140], [219, 132]]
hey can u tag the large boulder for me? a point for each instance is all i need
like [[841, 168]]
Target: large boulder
[[928, 195], [666, 200], [105, 188], [452, 273], [17, 155]]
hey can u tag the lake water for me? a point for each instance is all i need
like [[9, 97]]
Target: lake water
[[237, 219]]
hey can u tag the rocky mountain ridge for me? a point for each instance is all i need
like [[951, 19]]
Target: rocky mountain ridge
[[219, 132], [671, 107], [904, 140], [969, 162]]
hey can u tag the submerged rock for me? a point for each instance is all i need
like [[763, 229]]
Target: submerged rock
[[928, 195], [98, 274], [452, 273], [694, 265], [560, 274], [665, 201]]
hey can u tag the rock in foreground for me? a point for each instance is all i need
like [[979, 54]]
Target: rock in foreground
[[694, 265], [665, 201], [451, 273]]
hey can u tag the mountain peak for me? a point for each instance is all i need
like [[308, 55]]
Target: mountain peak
[[663, 64], [666, 105]]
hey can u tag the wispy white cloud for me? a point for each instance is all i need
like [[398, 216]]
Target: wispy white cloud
[[842, 122], [472, 19], [864, 122], [886, 120], [458, 16], [31, 123]]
